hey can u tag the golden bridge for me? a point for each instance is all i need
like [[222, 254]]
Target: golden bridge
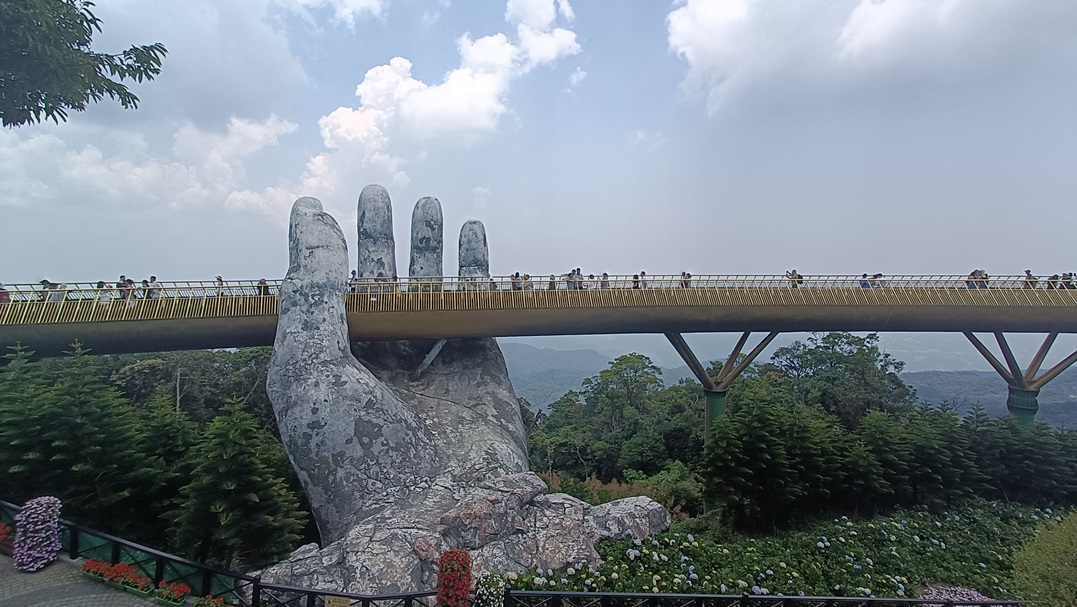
[[197, 315]]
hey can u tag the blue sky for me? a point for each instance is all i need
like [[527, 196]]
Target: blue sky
[[713, 136]]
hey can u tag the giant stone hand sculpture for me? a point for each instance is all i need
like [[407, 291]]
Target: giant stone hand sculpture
[[399, 467]]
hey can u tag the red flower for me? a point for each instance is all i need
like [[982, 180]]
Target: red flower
[[454, 578], [173, 591]]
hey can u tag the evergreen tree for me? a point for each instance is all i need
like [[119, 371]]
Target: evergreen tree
[[22, 420], [236, 512], [77, 440], [170, 435]]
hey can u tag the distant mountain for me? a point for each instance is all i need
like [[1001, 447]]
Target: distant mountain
[[1058, 399], [543, 375]]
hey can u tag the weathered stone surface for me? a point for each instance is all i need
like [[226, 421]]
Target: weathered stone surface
[[508, 524], [356, 446], [426, 238], [473, 252], [399, 468], [376, 244]]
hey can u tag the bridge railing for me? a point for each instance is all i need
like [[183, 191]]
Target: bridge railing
[[88, 302]]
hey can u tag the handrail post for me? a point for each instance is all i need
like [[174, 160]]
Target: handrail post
[[72, 541], [115, 552], [206, 582], [256, 592], [158, 570]]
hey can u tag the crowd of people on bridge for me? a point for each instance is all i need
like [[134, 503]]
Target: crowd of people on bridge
[[129, 291]]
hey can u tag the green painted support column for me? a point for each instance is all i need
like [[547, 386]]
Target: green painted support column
[[715, 409], [1023, 405]]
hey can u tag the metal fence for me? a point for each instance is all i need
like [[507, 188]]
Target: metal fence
[[250, 591]]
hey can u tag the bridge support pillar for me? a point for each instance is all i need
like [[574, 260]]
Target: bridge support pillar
[[715, 407], [716, 388], [1023, 404], [438, 345], [1024, 386]]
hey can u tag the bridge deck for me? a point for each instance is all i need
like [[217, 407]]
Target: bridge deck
[[204, 315]]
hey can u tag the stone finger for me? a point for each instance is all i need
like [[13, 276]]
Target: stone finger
[[427, 244], [474, 253], [376, 245]]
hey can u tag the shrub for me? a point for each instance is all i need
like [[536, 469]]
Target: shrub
[[37, 537], [208, 601], [1044, 567], [454, 578]]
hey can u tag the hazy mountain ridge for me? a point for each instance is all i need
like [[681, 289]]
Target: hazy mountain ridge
[[543, 375]]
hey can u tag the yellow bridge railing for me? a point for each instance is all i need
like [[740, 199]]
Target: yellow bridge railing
[[85, 302]]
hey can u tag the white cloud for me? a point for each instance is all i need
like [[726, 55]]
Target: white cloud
[[480, 198], [802, 50], [205, 167], [537, 14], [575, 78], [398, 114], [345, 11]]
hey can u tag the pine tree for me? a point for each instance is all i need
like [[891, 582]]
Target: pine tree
[[95, 449], [236, 512], [75, 439], [22, 389], [170, 435]]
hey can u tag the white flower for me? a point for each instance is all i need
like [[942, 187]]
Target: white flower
[[571, 571]]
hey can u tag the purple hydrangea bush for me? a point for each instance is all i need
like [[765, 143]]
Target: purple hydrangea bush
[[37, 533]]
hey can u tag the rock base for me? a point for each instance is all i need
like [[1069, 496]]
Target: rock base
[[509, 524]]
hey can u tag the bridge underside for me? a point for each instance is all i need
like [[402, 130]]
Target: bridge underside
[[126, 336]]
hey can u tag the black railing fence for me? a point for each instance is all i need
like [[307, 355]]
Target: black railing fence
[[250, 591]]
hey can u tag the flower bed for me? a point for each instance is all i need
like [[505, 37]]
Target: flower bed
[[172, 593], [888, 556]]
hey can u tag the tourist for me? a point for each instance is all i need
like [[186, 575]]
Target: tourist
[[1030, 280], [263, 287], [5, 297], [864, 282], [145, 289], [635, 281], [528, 285], [605, 282], [517, 284], [1053, 282], [1067, 281], [795, 279], [104, 294], [219, 287], [553, 283], [643, 279], [155, 288]]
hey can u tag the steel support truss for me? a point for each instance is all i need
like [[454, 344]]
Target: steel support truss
[[717, 387], [1024, 386]]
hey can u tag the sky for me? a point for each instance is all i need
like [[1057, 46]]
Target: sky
[[709, 136]]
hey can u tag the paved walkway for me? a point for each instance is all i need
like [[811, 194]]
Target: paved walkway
[[59, 585]]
